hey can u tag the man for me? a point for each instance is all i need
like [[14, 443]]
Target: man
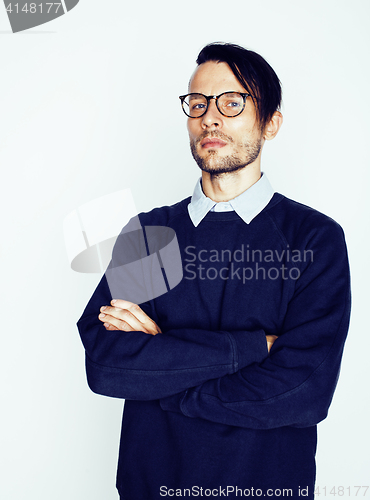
[[226, 376]]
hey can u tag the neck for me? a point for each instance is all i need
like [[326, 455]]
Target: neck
[[225, 187]]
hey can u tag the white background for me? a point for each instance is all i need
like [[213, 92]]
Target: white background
[[79, 120]]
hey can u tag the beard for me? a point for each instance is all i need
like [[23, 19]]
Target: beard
[[244, 154]]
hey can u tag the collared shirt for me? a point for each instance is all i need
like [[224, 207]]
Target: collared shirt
[[247, 205]]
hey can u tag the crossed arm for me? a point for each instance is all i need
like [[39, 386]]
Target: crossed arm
[[128, 317], [230, 377]]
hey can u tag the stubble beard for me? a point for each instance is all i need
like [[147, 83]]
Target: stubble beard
[[244, 154]]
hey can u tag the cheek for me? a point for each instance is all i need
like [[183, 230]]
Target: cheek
[[193, 130], [190, 125], [243, 124], [244, 129]]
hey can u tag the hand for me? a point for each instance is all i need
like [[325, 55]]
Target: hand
[[128, 317], [270, 340]]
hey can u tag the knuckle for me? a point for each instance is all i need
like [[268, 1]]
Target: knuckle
[[135, 308], [124, 326]]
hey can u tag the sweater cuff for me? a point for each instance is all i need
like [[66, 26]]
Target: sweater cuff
[[251, 347]]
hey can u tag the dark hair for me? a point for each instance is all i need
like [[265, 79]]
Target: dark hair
[[252, 71]]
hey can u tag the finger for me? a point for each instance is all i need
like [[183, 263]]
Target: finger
[[110, 327], [125, 315], [123, 304], [122, 315], [130, 319], [133, 308], [144, 323], [115, 323]]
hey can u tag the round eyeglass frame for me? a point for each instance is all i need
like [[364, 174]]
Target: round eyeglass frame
[[216, 97]]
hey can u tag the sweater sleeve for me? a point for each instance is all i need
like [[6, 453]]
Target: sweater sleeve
[[139, 366], [294, 385]]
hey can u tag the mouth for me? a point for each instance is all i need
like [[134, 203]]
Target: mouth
[[212, 143]]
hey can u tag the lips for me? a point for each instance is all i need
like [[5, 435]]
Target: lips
[[212, 142]]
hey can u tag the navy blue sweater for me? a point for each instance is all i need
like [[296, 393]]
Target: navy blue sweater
[[207, 407]]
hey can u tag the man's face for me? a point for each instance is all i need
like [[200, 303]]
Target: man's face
[[220, 144]]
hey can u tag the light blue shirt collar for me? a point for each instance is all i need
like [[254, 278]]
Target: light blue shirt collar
[[247, 205]]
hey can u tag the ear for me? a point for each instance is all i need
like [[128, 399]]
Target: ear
[[273, 126]]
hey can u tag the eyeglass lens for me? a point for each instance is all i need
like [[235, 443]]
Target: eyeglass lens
[[230, 104]]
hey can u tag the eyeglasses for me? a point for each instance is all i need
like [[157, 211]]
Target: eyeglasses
[[228, 103]]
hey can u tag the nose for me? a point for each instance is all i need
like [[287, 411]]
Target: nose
[[212, 117]]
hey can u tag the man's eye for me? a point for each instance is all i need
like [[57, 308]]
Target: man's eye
[[232, 104], [198, 105]]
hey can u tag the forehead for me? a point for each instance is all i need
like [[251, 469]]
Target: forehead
[[213, 78]]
